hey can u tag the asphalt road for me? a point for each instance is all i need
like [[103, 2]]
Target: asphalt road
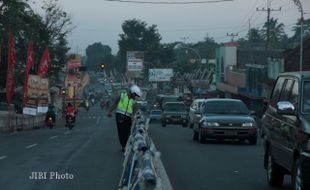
[[88, 156], [212, 166]]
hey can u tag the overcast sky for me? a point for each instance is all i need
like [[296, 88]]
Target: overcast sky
[[100, 20]]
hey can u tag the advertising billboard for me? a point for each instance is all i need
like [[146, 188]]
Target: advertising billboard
[[160, 75], [37, 95]]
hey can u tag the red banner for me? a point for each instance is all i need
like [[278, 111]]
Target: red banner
[[29, 64], [44, 63], [10, 80]]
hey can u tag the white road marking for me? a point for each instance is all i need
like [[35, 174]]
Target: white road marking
[[2, 157], [31, 146], [98, 120], [53, 137], [67, 133]]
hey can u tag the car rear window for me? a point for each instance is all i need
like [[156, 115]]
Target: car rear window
[[175, 107], [225, 107]]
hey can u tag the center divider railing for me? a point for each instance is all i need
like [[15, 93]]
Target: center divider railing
[[141, 157]]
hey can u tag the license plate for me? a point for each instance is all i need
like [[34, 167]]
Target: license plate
[[230, 132]]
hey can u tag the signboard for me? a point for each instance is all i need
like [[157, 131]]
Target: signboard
[[37, 95], [160, 75], [135, 60]]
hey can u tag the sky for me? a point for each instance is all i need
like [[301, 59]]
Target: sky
[[100, 20]]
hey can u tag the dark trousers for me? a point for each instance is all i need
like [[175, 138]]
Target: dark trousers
[[123, 123]]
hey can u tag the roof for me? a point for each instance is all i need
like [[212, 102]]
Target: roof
[[222, 99], [297, 74]]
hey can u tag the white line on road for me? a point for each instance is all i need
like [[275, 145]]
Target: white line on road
[[53, 137], [31, 146], [2, 157], [98, 120]]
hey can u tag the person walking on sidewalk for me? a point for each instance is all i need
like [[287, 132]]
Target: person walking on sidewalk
[[125, 108]]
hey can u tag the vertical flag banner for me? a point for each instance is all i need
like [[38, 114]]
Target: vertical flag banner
[[44, 63], [10, 80], [29, 64]]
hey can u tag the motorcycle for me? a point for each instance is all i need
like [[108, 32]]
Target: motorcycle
[[50, 122], [70, 121], [102, 105]]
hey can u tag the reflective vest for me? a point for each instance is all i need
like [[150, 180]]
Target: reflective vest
[[125, 105]]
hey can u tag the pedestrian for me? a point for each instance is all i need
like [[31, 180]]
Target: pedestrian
[[125, 106]]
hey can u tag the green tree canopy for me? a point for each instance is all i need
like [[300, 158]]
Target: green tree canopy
[[97, 54]]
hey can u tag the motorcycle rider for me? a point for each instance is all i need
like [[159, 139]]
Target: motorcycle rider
[[50, 113], [70, 111], [125, 108]]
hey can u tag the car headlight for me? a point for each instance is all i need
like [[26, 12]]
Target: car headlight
[[249, 124], [211, 124]]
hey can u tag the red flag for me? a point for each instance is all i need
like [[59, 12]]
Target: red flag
[[29, 64], [10, 80], [44, 63]]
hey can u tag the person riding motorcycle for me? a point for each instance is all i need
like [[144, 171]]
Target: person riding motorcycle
[[125, 108], [102, 103], [50, 113], [70, 111]]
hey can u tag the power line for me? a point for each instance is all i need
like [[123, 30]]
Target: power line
[[168, 2]]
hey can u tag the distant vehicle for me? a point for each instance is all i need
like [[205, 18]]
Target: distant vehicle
[[155, 115], [143, 106], [225, 119], [196, 105], [286, 131], [174, 113], [161, 99]]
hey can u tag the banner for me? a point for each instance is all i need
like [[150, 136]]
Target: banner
[[29, 64], [160, 75], [10, 79], [44, 63]]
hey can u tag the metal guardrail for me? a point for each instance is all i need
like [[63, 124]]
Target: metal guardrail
[[10, 122], [141, 157]]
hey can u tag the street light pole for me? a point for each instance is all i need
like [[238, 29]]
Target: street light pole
[[194, 50], [299, 6]]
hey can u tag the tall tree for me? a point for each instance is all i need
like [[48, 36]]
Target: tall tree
[[276, 33], [138, 36], [306, 31], [97, 54]]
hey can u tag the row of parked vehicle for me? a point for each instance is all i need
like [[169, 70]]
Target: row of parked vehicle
[[285, 126]]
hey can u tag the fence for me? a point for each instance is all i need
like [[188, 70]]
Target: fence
[[15, 122], [141, 158]]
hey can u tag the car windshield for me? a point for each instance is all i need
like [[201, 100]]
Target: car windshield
[[306, 97], [175, 107], [221, 107]]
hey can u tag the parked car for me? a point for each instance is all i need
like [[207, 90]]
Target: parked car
[[225, 119], [196, 105], [286, 131], [155, 115], [174, 113]]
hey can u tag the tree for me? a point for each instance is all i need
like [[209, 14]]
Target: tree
[[138, 36], [97, 54], [276, 33], [52, 30], [295, 39]]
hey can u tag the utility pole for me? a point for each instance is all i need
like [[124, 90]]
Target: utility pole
[[232, 35], [268, 10]]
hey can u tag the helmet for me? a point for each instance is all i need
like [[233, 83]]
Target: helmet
[[134, 89]]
